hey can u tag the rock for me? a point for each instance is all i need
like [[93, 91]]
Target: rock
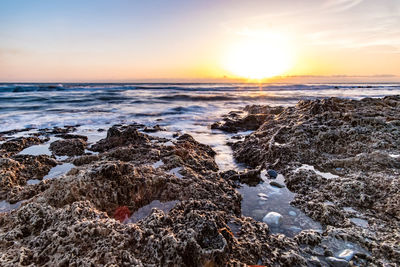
[[118, 136], [292, 213], [72, 136], [346, 254], [85, 159], [122, 213], [273, 219], [15, 172], [233, 124], [68, 147], [353, 139], [76, 211], [272, 174], [276, 184], [309, 237], [250, 177], [262, 195], [16, 145], [335, 262], [237, 137], [154, 129], [69, 220], [64, 130]]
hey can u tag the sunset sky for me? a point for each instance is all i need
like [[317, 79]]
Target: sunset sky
[[87, 40]]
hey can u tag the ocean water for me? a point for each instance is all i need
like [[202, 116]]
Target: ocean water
[[181, 106]]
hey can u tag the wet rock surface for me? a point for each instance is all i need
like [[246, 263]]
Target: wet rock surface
[[72, 220], [16, 171], [14, 145], [340, 158]]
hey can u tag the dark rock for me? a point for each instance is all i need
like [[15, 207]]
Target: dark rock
[[15, 145], [72, 136], [335, 262], [272, 174], [276, 184], [154, 129], [86, 159], [64, 130], [15, 172], [120, 136], [250, 177], [68, 147], [238, 137]]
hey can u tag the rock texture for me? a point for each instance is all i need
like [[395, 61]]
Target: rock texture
[[16, 171], [15, 145], [68, 147], [357, 143], [71, 220]]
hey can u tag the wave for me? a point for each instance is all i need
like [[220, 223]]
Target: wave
[[34, 87], [231, 97]]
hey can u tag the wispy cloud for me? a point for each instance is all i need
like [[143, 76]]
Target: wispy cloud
[[318, 23], [340, 5]]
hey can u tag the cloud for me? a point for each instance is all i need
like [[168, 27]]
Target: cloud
[[340, 5]]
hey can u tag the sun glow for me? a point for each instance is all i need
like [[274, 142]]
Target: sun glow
[[258, 58]]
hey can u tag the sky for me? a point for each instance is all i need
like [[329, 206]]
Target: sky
[[158, 40]]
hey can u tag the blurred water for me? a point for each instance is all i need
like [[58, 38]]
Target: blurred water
[[49, 105]]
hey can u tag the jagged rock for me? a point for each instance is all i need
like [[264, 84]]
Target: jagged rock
[[72, 136], [14, 172], [272, 174], [276, 184], [154, 129], [350, 146], [69, 220], [335, 262], [15, 145], [273, 219], [68, 147], [251, 177], [120, 136]]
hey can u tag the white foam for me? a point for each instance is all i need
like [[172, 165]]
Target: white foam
[[326, 175], [175, 171], [169, 143], [157, 164]]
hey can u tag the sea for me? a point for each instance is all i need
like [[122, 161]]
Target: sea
[[177, 105]]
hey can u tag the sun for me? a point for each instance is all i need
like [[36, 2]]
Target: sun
[[258, 58]]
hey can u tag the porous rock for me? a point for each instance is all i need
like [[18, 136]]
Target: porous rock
[[68, 147]]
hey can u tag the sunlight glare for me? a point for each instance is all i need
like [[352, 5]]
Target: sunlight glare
[[258, 58]]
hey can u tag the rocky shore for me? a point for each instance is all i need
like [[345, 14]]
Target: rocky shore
[[100, 211]]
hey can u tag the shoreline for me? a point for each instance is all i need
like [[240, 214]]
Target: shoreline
[[74, 214]]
